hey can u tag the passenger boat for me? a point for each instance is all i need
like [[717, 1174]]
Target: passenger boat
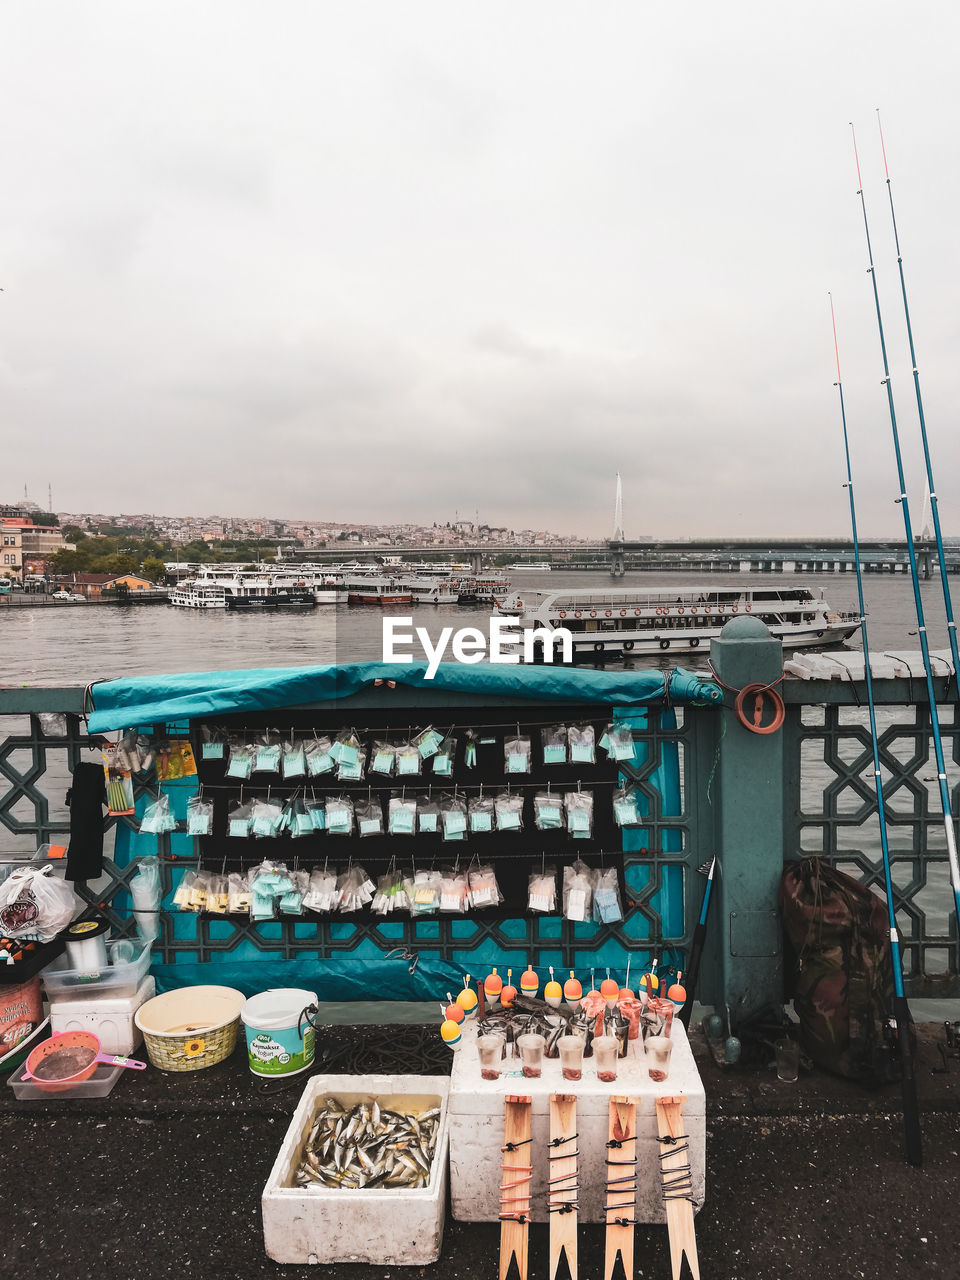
[[373, 589], [482, 589], [198, 595], [611, 624], [534, 566], [240, 590]]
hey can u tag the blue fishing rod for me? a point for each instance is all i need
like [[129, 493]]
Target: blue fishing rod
[[948, 828], [931, 487], [901, 1014]]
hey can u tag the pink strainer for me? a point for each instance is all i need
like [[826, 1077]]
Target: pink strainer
[[68, 1058]]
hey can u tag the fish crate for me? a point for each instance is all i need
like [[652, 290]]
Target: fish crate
[[385, 1226], [476, 1129]]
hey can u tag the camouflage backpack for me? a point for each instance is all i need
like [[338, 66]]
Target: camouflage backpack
[[843, 988]]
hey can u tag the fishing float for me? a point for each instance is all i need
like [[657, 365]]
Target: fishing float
[[553, 992], [509, 992], [911, 1108]]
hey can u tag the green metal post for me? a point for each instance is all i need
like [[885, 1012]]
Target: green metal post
[[749, 828]]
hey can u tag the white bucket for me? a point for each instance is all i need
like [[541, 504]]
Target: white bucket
[[280, 1041]]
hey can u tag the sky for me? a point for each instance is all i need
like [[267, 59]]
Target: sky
[[391, 262]]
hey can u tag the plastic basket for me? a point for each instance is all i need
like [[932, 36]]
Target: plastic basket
[[203, 1026]]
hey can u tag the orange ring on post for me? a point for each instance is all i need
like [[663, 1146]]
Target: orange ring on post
[[758, 691]]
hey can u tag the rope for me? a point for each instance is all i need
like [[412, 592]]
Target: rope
[[757, 691]]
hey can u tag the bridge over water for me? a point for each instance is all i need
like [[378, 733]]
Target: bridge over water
[[704, 555]]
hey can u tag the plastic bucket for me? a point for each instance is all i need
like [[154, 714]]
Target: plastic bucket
[[280, 1039]]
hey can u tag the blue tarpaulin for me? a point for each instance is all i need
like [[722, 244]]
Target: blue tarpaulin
[[142, 700]]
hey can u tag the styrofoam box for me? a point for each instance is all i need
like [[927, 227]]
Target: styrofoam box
[[111, 1021], [476, 1129], [393, 1226]]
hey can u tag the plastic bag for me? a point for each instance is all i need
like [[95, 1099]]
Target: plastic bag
[[199, 816], [240, 762], [119, 784], [35, 904], [548, 811], [428, 816], [267, 754], [383, 758], [391, 895], [369, 816], [578, 882], [409, 761], [607, 907], [173, 760], [266, 818], [346, 747], [542, 891], [517, 754], [554, 739], [423, 892], [239, 897], [214, 744], [427, 742], [444, 757], [402, 819], [239, 818], [319, 756], [322, 894], [294, 759], [291, 902], [355, 889], [484, 890], [268, 882], [454, 891], [216, 902], [508, 806], [339, 816], [145, 891], [579, 811], [480, 812], [581, 740], [625, 807], [158, 818], [617, 741], [316, 812], [453, 814]]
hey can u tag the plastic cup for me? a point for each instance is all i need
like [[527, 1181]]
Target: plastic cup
[[531, 1048], [658, 1050], [605, 1052], [788, 1060], [571, 1056], [490, 1049]]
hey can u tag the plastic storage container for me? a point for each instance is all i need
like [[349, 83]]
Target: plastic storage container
[[97, 1086], [117, 980], [110, 1020]]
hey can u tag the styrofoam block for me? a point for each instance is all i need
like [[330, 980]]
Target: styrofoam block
[[392, 1227], [110, 1020], [476, 1130]]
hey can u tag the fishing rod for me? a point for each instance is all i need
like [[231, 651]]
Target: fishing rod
[[948, 828], [901, 1014], [931, 488]]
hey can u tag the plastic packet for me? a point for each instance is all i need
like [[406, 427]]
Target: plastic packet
[[199, 816], [352, 771], [369, 816], [266, 758], [517, 754], [391, 895], [444, 757], [409, 761], [578, 882], [291, 902], [548, 811], [508, 807], [383, 758], [428, 815], [471, 738], [239, 818], [484, 890], [118, 781], [554, 739], [402, 820], [174, 760], [453, 815], [607, 907], [617, 741], [183, 895], [346, 747], [339, 816], [294, 759], [542, 891], [157, 817], [146, 893], [480, 812], [428, 741], [268, 883], [581, 741], [355, 889], [318, 753], [454, 891], [295, 818], [217, 894], [322, 895], [579, 810], [266, 818], [214, 743], [316, 811], [423, 892], [625, 807], [240, 761], [239, 897]]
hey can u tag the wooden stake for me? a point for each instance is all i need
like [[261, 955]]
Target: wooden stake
[[563, 1186], [515, 1179], [620, 1196], [676, 1184]]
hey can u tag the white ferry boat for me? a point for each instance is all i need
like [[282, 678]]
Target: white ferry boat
[[484, 588], [399, 589], [611, 624], [534, 566], [252, 590], [199, 595]]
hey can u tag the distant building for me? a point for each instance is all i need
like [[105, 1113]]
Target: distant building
[[11, 550], [96, 584]]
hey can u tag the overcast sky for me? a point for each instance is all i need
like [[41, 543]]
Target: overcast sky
[[392, 261]]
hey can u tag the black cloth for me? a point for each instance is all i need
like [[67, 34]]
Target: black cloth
[[86, 799]]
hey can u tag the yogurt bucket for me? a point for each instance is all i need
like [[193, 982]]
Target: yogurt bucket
[[280, 1036]]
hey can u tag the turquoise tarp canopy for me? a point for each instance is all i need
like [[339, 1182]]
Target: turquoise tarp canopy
[[120, 704]]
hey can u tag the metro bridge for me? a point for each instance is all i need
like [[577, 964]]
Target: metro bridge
[[702, 555]]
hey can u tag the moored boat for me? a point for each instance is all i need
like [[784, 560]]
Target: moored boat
[[611, 624], [198, 595]]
